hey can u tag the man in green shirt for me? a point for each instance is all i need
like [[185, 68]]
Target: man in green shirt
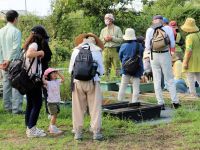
[[10, 41], [111, 36]]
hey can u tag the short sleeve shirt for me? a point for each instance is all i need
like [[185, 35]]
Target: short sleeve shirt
[[34, 47], [53, 90], [193, 44]]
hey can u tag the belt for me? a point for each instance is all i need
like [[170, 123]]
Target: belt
[[160, 51]]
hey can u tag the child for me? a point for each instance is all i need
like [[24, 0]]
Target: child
[[53, 89]]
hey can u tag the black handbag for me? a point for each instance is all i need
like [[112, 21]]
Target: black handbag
[[18, 75], [132, 64]]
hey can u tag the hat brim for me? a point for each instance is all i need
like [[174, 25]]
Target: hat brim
[[79, 39], [126, 38], [189, 29]]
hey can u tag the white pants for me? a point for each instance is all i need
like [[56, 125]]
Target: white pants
[[162, 61], [136, 87], [192, 77]]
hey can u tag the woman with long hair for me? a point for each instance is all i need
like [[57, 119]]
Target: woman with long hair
[[35, 47]]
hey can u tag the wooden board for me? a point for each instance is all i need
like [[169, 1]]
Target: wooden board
[[143, 96]]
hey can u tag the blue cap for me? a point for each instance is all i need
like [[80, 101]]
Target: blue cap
[[165, 20]]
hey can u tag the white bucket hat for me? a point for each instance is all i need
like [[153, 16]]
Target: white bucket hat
[[129, 34]]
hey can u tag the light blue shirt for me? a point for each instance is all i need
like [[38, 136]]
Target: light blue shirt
[[10, 42], [149, 35]]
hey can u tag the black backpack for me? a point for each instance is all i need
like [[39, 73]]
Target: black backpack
[[18, 75], [132, 65], [85, 68]]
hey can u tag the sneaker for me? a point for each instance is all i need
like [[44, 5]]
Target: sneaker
[[34, 132], [54, 130], [97, 136], [78, 136], [176, 105], [40, 130]]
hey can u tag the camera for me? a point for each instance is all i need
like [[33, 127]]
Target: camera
[[35, 78]]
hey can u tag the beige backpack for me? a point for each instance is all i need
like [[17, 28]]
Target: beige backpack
[[160, 40]]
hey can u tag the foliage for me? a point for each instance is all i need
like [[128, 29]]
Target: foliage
[[66, 86], [61, 51], [2, 23], [177, 10]]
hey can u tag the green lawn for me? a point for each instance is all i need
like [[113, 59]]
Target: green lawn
[[182, 133]]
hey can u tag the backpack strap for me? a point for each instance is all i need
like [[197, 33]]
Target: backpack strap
[[137, 48], [30, 65]]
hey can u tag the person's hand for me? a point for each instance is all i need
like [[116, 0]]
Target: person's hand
[[41, 54], [1, 66], [185, 65], [108, 38], [5, 64]]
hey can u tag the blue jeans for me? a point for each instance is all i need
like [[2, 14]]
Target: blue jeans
[[34, 104], [181, 86], [12, 98]]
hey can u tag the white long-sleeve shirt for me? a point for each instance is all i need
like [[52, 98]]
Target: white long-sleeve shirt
[[149, 36], [96, 54]]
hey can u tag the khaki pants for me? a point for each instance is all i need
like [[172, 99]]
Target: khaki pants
[[86, 93], [111, 58]]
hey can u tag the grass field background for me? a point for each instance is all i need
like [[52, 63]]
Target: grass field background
[[182, 133]]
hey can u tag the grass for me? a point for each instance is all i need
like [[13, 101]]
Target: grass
[[182, 133]]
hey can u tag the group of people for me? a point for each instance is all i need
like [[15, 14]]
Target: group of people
[[112, 48]]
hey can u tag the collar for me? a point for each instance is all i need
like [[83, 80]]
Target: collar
[[10, 24]]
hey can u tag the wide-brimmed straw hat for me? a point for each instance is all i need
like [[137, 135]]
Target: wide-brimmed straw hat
[[189, 26], [79, 39], [129, 34]]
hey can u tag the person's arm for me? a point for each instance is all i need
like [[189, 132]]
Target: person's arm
[[102, 36], [121, 53], [1, 59], [32, 51], [188, 52], [118, 38], [99, 59], [1, 55], [15, 45], [171, 37], [61, 77], [148, 39]]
